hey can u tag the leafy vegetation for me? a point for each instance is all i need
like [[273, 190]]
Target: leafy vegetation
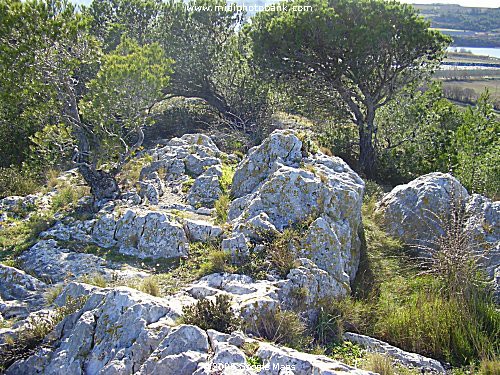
[[81, 88], [442, 317], [222, 208], [279, 326], [365, 60], [207, 314], [22, 233]]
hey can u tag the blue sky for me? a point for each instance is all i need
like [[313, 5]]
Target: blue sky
[[470, 3]]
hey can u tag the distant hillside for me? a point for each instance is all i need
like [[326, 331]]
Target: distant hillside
[[471, 27]]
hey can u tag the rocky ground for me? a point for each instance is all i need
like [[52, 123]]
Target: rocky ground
[[187, 198]]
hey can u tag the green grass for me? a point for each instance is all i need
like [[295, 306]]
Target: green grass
[[95, 279], [221, 209], [222, 204], [395, 302], [17, 182], [130, 174], [227, 177], [281, 327], [150, 285], [19, 235], [379, 364], [186, 185]]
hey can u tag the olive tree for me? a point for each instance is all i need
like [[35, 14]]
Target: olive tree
[[108, 122], [364, 50]]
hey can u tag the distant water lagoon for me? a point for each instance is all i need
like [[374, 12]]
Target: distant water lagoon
[[492, 52]]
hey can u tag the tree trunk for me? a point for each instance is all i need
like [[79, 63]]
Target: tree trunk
[[367, 152], [102, 184]]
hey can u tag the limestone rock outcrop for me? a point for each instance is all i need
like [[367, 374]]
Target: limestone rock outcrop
[[20, 293], [404, 358], [122, 331], [142, 233], [279, 186]]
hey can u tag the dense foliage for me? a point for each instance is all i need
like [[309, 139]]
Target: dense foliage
[[80, 87], [83, 85], [366, 51]]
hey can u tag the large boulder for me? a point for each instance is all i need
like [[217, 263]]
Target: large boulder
[[418, 213], [206, 188], [281, 147], [407, 359], [278, 186], [53, 263], [288, 361], [114, 332], [415, 212], [20, 293], [142, 233]]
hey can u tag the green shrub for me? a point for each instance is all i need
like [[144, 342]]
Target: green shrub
[[327, 328], [439, 309], [52, 178], [347, 352], [222, 209], [217, 261], [209, 315], [95, 279], [335, 316], [150, 285], [379, 364], [131, 172], [373, 191], [281, 327], [227, 178], [67, 195], [16, 238], [14, 181], [282, 250], [186, 185], [419, 317]]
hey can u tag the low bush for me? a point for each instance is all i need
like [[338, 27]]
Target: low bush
[[14, 181], [227, 178], [347, 352], [282, 252], [217, 261], [67, 196], [279, 326], [207, 314], [150, 285], [222, 208], [379, 364]]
